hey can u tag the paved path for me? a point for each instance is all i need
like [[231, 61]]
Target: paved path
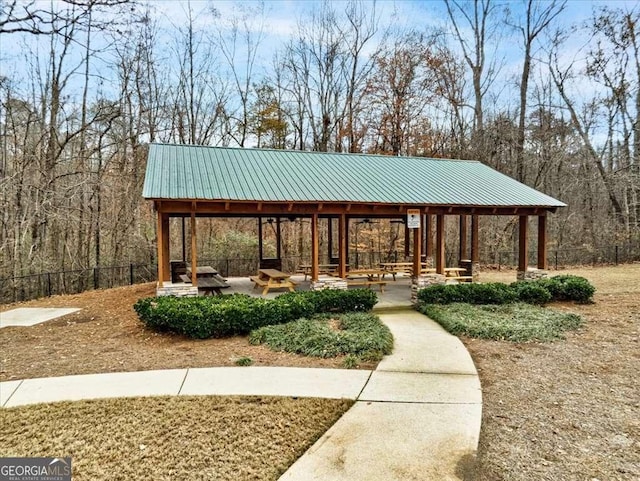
[[416, 417]]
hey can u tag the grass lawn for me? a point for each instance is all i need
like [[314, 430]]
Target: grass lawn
[[171, 438], [517, 322]]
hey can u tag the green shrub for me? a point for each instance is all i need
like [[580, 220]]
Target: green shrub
[[360, 334], [220, 316], [473, 293], [517, 322], [336, 300], [541, 291], [572, 288], [531, 293]]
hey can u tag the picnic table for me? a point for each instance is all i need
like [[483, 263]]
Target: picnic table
[[394, 268], [457, 274], [272, 279], [366, 277], [208, 280], [305, 269]]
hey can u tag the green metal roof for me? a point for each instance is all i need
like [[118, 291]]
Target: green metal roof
[[237, 174]]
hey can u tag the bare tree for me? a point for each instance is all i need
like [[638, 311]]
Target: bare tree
[[538, 17]]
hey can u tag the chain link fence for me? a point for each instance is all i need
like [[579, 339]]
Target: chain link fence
[[23, 288]]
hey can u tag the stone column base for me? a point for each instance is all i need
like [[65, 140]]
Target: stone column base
[[178, 290], [422, 281], [532, 274], [475, 271], [329, 282]]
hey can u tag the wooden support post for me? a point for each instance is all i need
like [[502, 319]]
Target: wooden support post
[[407, 241], [343, 254], [260, 255], [346, 243], [463, 251], [523, 243], [475, 243], [166, 257], [184, 241], [417, 243], [159, 240], [315, 248], [428, 228], [330, 239], [279, 239], [542, 242], [194, 250], [440, 254]]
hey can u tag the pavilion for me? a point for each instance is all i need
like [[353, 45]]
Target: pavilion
[[191, 181]]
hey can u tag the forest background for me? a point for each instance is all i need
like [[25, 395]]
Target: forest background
[[546, 92]]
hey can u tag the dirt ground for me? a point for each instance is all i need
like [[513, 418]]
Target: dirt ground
[[568, 410], [107, 336]]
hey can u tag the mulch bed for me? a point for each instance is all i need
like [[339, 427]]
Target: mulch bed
[[107, 336]]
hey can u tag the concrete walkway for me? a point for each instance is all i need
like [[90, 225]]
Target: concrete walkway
[[416, 417]]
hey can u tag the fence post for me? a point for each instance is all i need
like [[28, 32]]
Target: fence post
[[96, 279], [130, 274], [49, 284], [616, 255], [556, 258]]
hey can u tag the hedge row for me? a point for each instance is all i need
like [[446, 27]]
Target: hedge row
[[542, 291], [220, 316]]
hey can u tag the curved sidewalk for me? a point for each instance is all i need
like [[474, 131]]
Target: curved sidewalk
[[416, 417]]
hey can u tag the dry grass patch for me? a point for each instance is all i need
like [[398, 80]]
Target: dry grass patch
[[567, 410], [171, 438]]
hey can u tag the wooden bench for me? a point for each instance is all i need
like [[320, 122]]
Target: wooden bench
[[460, 278], [368, 283]]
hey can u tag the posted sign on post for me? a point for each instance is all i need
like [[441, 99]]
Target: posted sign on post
[[413, 218]]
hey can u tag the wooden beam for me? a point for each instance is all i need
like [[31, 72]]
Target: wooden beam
[[260, 246], [407, 241], [278, 239], [315, 248], [159, 240], [343, 254], [330, 239], [290, 207], [428, 227], [523, 243], [194, 251], [542, 242], [463, 251], [249, 209], [184, 240], [227, 206], [166, 257], [417, 243], [346, 245], [475, 239], [440, 254]]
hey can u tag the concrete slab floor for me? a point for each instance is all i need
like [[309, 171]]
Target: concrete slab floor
[[29, 316]]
